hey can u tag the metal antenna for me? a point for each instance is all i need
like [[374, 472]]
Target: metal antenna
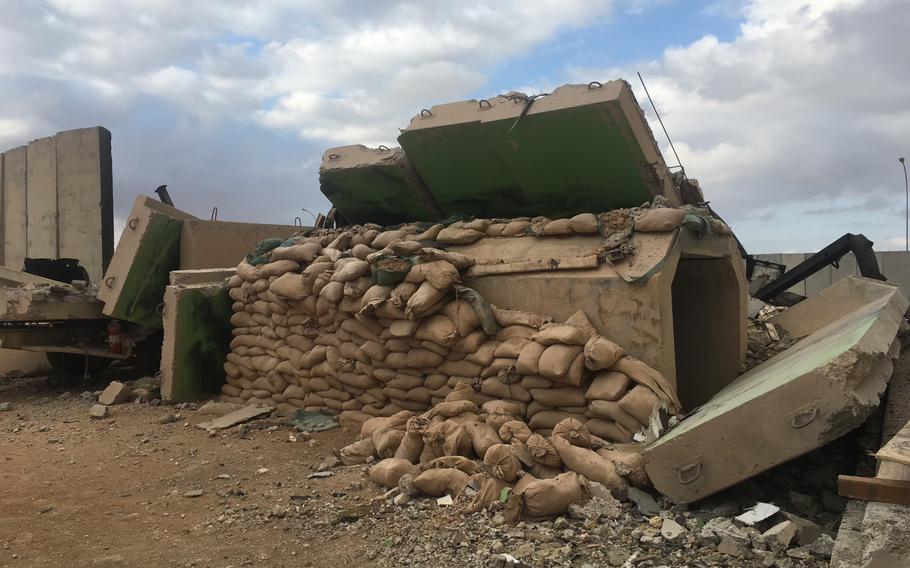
[[672, 147]]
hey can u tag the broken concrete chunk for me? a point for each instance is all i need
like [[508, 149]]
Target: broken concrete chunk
[[115, 393], [673, 532], [806, 530], [757, 513], [779, 536], [643, 500], [732, 547], [99, 411]]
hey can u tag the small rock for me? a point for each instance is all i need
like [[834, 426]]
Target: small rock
[[806, 530], [320, 474], [193, 493], [596, 508], [328, 463], [560, 523], [800, 501], [655, 522], [617, 556], [115, 393], [766, 557], [731, 547], [401, 499], [822, 547], [645, 503], [99, 411], [800, 553], [407, 487], [169, 418], [504, 561], [87, 395], [141, 395], [779, 536], [673, 532], [6, 406]]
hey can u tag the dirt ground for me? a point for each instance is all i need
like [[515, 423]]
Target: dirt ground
[[82, 492]]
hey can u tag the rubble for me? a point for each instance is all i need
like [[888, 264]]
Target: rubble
[[99, 411], [115, 393]]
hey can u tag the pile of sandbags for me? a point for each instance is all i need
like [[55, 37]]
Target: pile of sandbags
[[454, 445]]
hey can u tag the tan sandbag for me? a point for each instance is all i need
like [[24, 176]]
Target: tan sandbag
[[462, 315], [659, 220], [482, 436], [430, 234], [574, 431], [561, 396], [511, 348], [470, 343], [439, 329], [629, 463], [587, 463], [642, 374], [437, 482], [412, 444], [450, 409], [496, 388], [514, 430], [358, 452], [557, 228], [348, 269], [556, 359], [404, 328], [463, 390], [388, 436], [462, 463], [362, 251], [458, 442], [389, 471], [601, 353], [608, 385], [278, 267], [424, 299], [439, 273], [580, 320], [608, 430], [584, 223], [485, 354], [546, 497], [542, 451], [613, 411], [423, 359], [458, 236], [402, 293], [489, 492], [405, 248], [561, 334], [463, 368], [302, 253], [529, 357], [511, 331], [386, 238], [516, 228], [501, 463], [289, 285], [506, 317], [457, 259], [433, 443], [640, 403], [548, 419]]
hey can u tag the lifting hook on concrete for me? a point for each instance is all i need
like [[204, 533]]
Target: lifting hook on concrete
[[214, 213], [298, 222]]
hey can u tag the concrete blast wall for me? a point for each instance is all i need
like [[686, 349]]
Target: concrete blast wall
[[56, 199]]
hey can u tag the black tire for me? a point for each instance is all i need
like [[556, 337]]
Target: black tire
[[75, 366]]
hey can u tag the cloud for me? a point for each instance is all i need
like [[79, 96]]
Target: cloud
[[805, 106]]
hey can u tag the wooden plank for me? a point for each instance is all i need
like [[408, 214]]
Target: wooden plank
[[535, 265], [874, 489], [897, 449]]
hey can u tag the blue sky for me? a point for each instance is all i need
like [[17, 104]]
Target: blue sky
[[791, 113]]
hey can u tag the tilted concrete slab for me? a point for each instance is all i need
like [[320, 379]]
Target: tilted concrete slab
[[375, 185], [216, 244], [197, 337], [687, 320], [149, 248], [807, 396], [201, 275]]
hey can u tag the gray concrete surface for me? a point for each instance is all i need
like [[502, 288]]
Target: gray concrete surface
[[895, 265]]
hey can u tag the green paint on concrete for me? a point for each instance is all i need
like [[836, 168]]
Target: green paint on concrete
[[573, 160], [143, 289], [202, 339], [374, 194], [462, 169]]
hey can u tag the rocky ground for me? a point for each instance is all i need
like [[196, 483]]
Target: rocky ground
[[143, 486]]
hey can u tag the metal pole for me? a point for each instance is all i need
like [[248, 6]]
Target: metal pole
[[907, 194]]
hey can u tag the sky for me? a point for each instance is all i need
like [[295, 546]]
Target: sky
[[790, 113]]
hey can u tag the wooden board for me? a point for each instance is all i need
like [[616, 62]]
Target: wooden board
[[897, 449], [874, 489]]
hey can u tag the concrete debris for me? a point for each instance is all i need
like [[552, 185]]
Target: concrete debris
[[115, 393], [779, 536], [6, 406], [193, 493], [759, 512], [99, 411], [237, 417], [644, 501], [673, 532]]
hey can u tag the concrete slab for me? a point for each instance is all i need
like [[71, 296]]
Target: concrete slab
[[897, 268], [41, 177], [807, 396], [85, 198], [13, 278], [236, 417], [791, 260], [375, 185], [216, 244], [149, 248], [201, 275], [197, 336], [14, 207], [16, 362]]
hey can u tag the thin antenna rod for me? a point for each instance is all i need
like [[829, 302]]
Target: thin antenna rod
[[672, 147]]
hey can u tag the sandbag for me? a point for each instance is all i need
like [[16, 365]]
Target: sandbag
[[424, 299], [289, 285], [482, 436], [542, 451], [608, 385], [510, 349], [548, 419], [601, 353], [433, 442], [501, 462], [458, 236], [358, 452], [460, 261], [514, 430], [555, 361], [584, 223], [546, 497], [609, 430], [516, 228], [462, 315], [412, 443], [507, 318], [450, 409], [640, 403], [561, 334], [462, 463], [509, 408], [458, 442], [529, 357], [587, 463], [489, 492], [496, 388], [389, 471], [659, 220], [556, 228], [574, 431], [440, 274], [562, 396], [302, 253], [629, 463], [612, 411], [437, 482], [350, 268], [439, 329]]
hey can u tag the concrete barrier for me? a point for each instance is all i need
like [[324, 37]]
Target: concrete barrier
[[895, 265]]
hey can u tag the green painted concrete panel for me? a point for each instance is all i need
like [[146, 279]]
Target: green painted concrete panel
[[143, 288], [463, 171], [202, 342], [374, 194], [573, 160]]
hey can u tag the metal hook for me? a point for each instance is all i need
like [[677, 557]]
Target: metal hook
[[483, 102], [425, 113], [334, 156], [383, 148], [214, 213], [595, 85], [134, 222], [298, 222]]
